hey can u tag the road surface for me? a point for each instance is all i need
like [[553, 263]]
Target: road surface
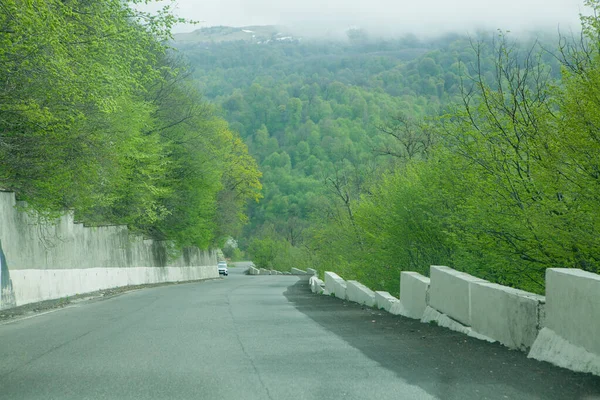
[[259, 337]]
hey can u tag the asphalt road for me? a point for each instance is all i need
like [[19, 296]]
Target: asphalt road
[[259, 337]]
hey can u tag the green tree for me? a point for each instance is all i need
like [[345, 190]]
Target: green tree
[[97, 115]]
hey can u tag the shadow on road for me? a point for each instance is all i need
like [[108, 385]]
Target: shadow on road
[[446, 364]]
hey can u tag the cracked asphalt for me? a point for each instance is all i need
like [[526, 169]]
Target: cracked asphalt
[[258, 337]]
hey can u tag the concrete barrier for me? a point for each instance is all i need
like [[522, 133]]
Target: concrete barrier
[[414, 294], [553, 348], [264, 271], [359, 293], [35, 285], [296, 271], [511, 316], [340, 289], [562, 328], [573, 306], [385, 301], [571, 336], [330, 279], [44, 260], [450, 293], [311, 271], [253, 271], [316, 285], [397, 309], [433, 315]]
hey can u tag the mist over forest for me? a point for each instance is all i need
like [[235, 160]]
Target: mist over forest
[[388, 18]]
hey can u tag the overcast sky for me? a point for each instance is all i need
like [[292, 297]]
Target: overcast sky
[[385, 16]]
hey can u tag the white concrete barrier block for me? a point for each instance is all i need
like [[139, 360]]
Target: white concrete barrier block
[[552, 348], [384, 300], [264, 272], [571, 334], [330, 279], [573, 306], [311, 283], [311, 271], [320, 286], [296, 271], [414, 294], [450, 293], [431, 315], [397, 309], [339, 289], [510, 316], [253, 271], [316, 285], [359, 293]]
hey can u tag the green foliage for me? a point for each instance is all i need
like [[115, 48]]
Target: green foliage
[[505, 193], [305, 121], [71, 71], [232, 252], [278, 254], [387, 156], [96, 115]]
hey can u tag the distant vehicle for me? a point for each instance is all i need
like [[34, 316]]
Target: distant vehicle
[[222, 265]]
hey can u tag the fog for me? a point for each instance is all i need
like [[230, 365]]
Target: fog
[[386, 17]]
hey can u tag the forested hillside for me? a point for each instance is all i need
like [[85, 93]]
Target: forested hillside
[[98, 116], [386, 155], [313, 112]]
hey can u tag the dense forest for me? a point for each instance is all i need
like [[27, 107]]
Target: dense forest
[[97, 115], [382, 155]]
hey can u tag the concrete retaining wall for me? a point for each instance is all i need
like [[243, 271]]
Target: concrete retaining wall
[[43, 260], [450, 293], [414, 294], [33, 285], [571, 337], [359, 293]]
